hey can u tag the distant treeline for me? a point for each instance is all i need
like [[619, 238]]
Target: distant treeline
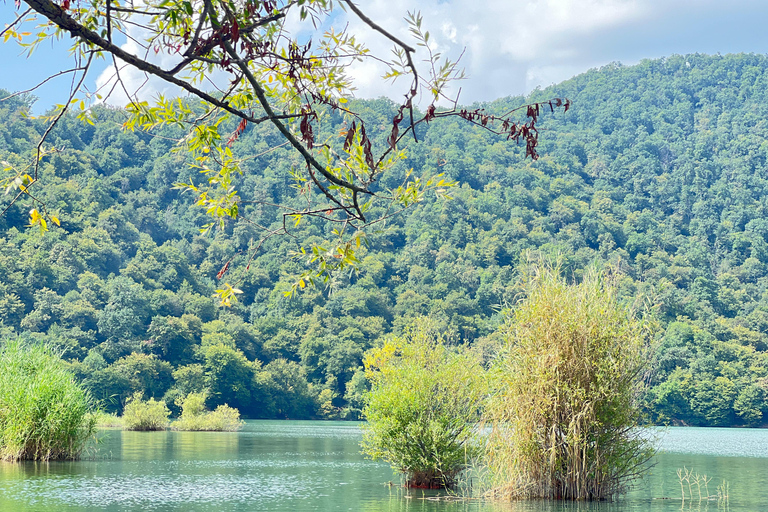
[[658, 168]]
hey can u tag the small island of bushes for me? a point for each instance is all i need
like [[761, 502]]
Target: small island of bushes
[[153, 415], [551, 412]]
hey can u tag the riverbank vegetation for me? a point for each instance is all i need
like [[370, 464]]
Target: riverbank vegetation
[[560, 401], [44, 411], [108, 420], [659, 168]]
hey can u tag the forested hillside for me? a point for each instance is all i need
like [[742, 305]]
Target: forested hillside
[[658, 168]]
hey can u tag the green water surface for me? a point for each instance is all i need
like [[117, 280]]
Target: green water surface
[[316, 466]]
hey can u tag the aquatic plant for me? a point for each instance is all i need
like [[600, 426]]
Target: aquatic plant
[[563, 421], [145, 415], [693, 482], [423, 405], [194, 415], [44, 412]]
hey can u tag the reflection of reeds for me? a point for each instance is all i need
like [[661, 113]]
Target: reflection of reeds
[[722, 492]]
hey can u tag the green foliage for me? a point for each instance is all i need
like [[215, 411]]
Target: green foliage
[[45, 412], [194, 415], [565, 415], [141, 414], [229, 375], [658, 168], [290, 395], [423, 406], [147, 374], [108, 420]]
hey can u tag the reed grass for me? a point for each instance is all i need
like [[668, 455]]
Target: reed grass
[[44, 412], [563, 423], [195, 417], [145, 415], [695, 487]]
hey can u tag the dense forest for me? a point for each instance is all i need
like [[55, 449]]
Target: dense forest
[[658, 169]]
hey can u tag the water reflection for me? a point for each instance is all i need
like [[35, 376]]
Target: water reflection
[[148, 446], [316, 466]]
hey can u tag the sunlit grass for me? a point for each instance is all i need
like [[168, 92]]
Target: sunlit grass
[[108, 420], [44, 412], [564, 419], [145, 415]]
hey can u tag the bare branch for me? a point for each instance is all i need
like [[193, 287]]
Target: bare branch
[[55, 75]]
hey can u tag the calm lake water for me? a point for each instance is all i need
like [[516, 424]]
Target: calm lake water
[[316, 466]]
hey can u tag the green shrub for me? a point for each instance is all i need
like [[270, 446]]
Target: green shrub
[[422, 409], [108, 420], [564, 417], [44, 413], [145, 415], [194, 415]]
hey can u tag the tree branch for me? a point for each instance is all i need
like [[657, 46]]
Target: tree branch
[[261, 96], [59, 17]]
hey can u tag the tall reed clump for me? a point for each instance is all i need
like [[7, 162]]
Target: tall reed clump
[[423, 406], [44, 412], [194, 415], [145, 414], [564, 419]]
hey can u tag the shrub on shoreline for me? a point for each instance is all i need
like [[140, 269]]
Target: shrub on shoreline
[[145, 415], [195, 417], [44, 412]]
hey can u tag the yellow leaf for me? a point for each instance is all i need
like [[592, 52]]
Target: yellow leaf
[[55, 220], [302, 284]]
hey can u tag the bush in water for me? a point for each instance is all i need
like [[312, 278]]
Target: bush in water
[[139, 414], [565, 412], [422, 409], [194, 415]]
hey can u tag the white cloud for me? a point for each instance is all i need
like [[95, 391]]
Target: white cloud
[[502, 39], [135, 82], [513, 46]]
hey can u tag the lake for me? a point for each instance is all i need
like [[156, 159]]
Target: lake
[[298, 466]]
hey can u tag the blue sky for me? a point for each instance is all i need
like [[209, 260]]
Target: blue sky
[[511, 46]]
